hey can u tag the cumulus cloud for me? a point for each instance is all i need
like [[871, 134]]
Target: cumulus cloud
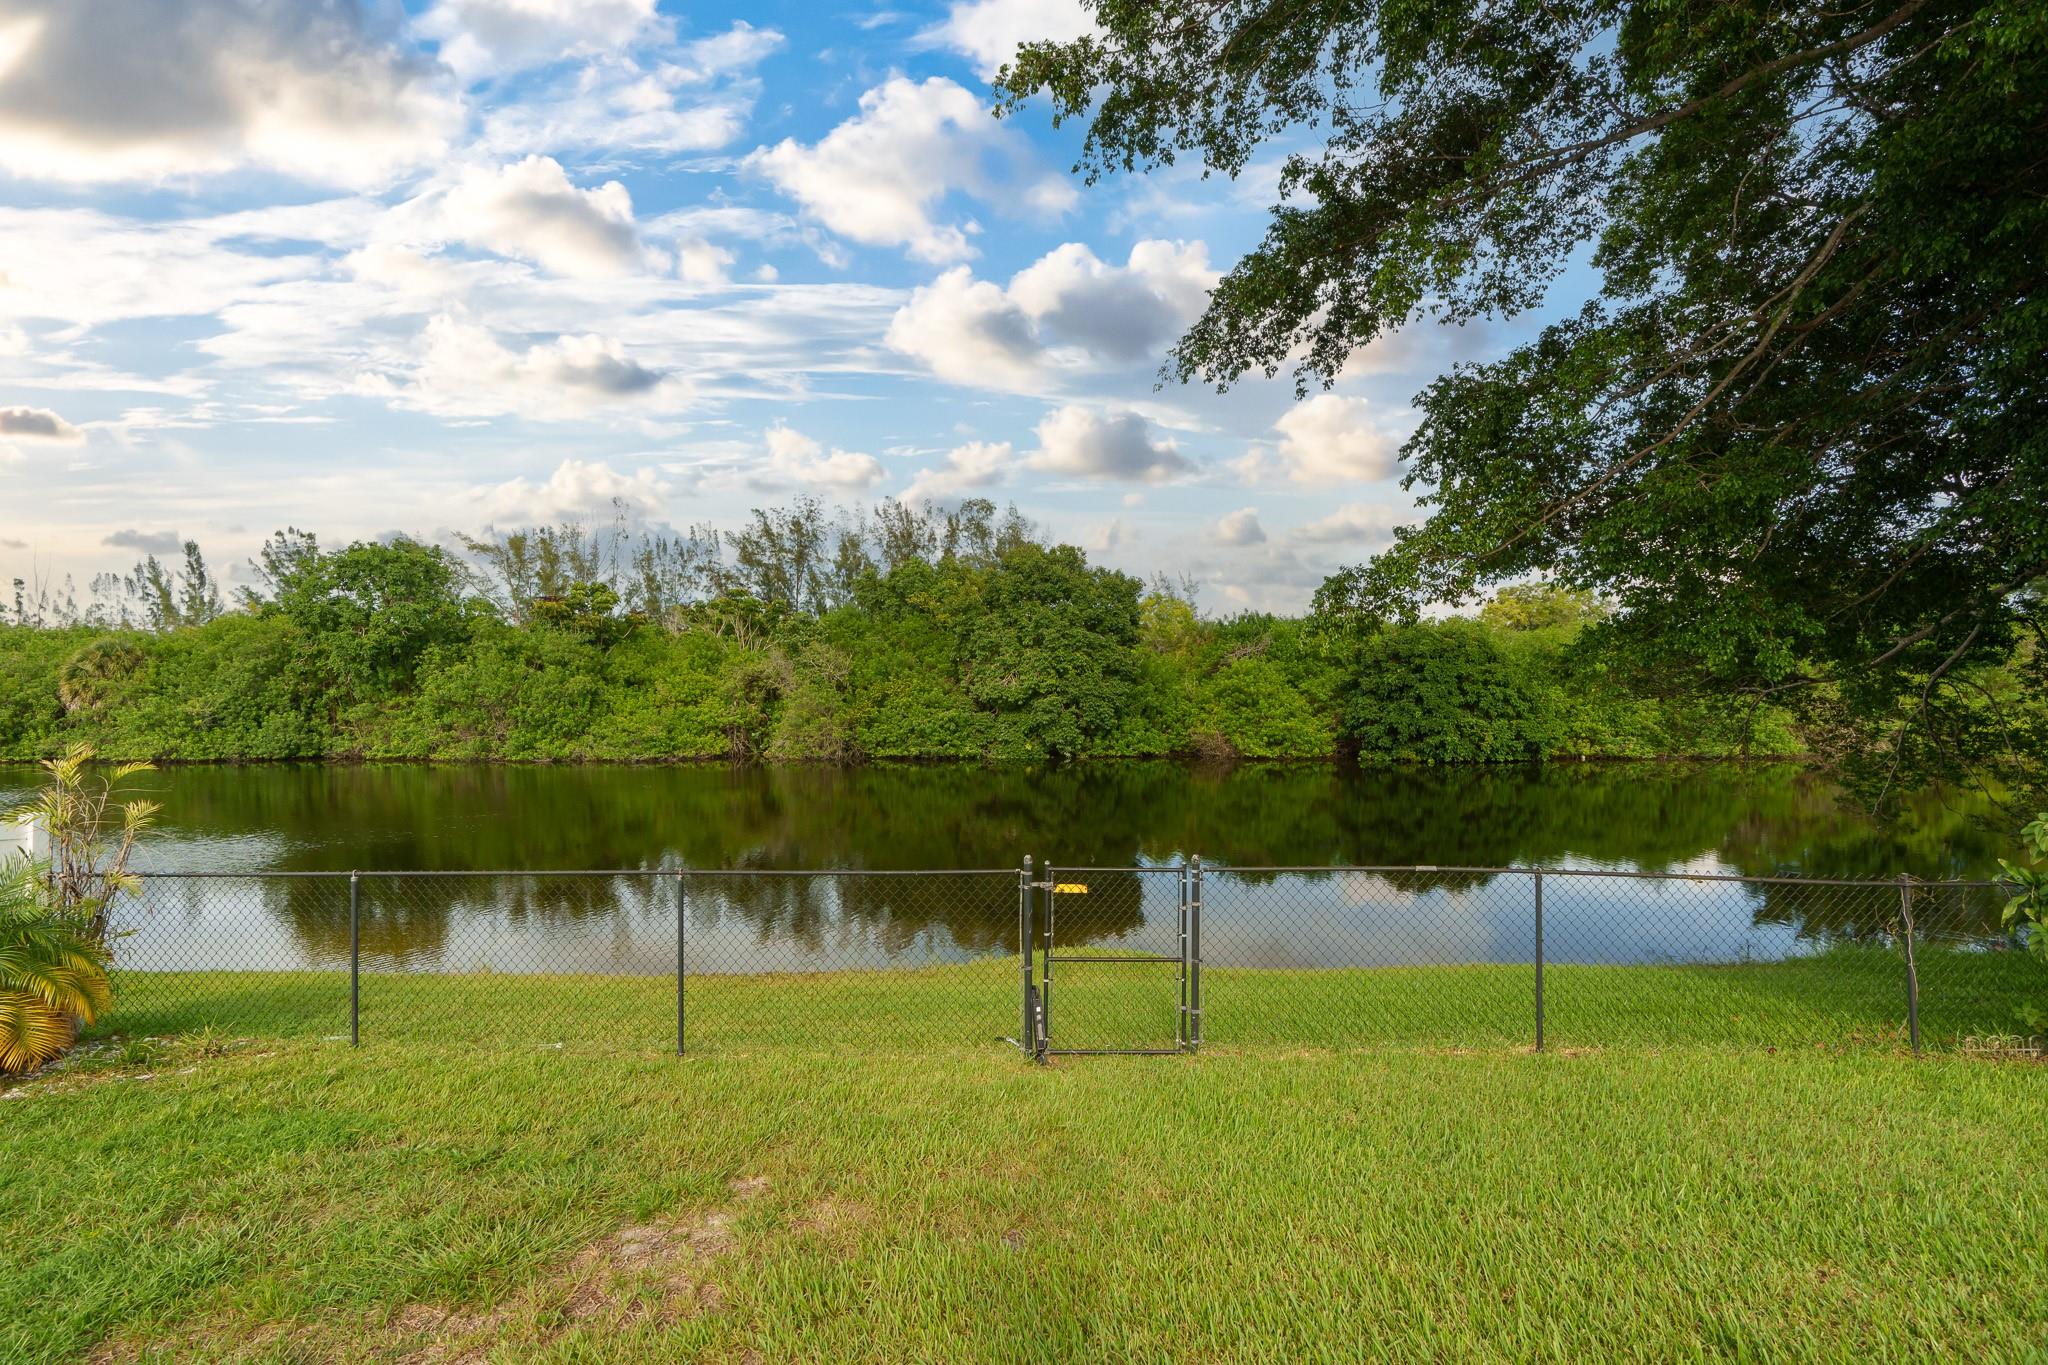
[[1065, 318], [531, 210], [1119, 446], [1324, 440], [1240, 528], [988, 32], [798, 459], [146, 542], [1355, 523], [978, 464], [487, 37], [37, 424], [466, 371], [578, 491], [665, 98], [880, 178], [95, 90]]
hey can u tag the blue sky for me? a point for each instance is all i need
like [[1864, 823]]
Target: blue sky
[[363, 269]]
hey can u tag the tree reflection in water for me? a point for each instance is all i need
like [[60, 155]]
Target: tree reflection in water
[[1758, 820]]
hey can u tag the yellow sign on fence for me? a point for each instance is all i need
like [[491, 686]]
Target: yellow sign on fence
[[1070, 888]]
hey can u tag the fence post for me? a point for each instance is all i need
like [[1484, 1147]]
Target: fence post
[[682, 918], [1539, 959], [1024, 1030], [355, 959], [1912, 970], [683, 915], [1195, 956], [1180, 1028]]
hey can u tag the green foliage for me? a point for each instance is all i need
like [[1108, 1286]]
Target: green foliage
[[1540, 606], [910, 634], [1442, 694], [97, 671], [52, 970], [2027, 911], [1254, 710], [92, 824], [1798, 439], [374, 611]]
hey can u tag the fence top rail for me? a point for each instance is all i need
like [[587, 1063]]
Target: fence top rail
[[256, 874], [1887, 883], [1226, 869]]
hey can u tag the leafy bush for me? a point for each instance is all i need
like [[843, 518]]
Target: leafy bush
[[1442, 693]]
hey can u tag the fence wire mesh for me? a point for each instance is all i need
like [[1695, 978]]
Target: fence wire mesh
[[1126, 959]]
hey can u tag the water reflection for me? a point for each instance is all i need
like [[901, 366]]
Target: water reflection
[[1756, 820]]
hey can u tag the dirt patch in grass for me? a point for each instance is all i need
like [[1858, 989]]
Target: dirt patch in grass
[[656, 1272]]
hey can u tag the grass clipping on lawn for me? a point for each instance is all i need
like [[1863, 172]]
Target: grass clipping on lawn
[[256, 1199]]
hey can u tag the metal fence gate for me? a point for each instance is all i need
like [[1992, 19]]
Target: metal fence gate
[[1129, 976]]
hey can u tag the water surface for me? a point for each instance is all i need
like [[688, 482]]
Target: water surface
[[1749, 820]]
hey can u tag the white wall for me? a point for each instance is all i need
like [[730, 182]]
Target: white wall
[[26, 837]]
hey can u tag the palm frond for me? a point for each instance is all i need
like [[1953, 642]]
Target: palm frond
[[31, 1033]]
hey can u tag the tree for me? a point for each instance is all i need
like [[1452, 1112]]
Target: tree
[[1441, 694], [1049, 649], [375, 610], [1540, 606], [1799, 437], [781, 557]]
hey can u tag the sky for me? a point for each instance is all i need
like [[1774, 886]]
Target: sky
[[368, 268]]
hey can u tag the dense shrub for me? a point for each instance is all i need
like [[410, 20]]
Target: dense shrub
[[999, 650], [1443, 693]]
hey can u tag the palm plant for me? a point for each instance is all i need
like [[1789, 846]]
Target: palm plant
[[53, 973], [92, 832]]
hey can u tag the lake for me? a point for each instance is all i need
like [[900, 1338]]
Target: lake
[[1747, 819]]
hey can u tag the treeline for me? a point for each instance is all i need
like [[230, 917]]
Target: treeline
[[898, 633]]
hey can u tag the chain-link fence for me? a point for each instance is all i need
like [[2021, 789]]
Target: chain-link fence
[[1151, 959]]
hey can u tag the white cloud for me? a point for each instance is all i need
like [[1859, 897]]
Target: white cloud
[[1240, 528], [881, 177], [1065, 319], [988, 32], [1087, 444], [1325, 440], [970, 332], [739, 48], [666, 99], [486, 37], [531, 210], [578, 491], [145, 542], [797, 458], [84, 268], [37, 424], [95, 90], [978, 464], [465, 372], [1355, 523]]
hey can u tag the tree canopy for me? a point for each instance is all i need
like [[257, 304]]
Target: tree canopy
[[1797, 439]]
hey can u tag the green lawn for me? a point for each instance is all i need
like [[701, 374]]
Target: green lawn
[[1847, 995], [461, 1186]]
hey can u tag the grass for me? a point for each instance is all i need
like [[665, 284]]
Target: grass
[[1845, 995], [268, 1194]]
